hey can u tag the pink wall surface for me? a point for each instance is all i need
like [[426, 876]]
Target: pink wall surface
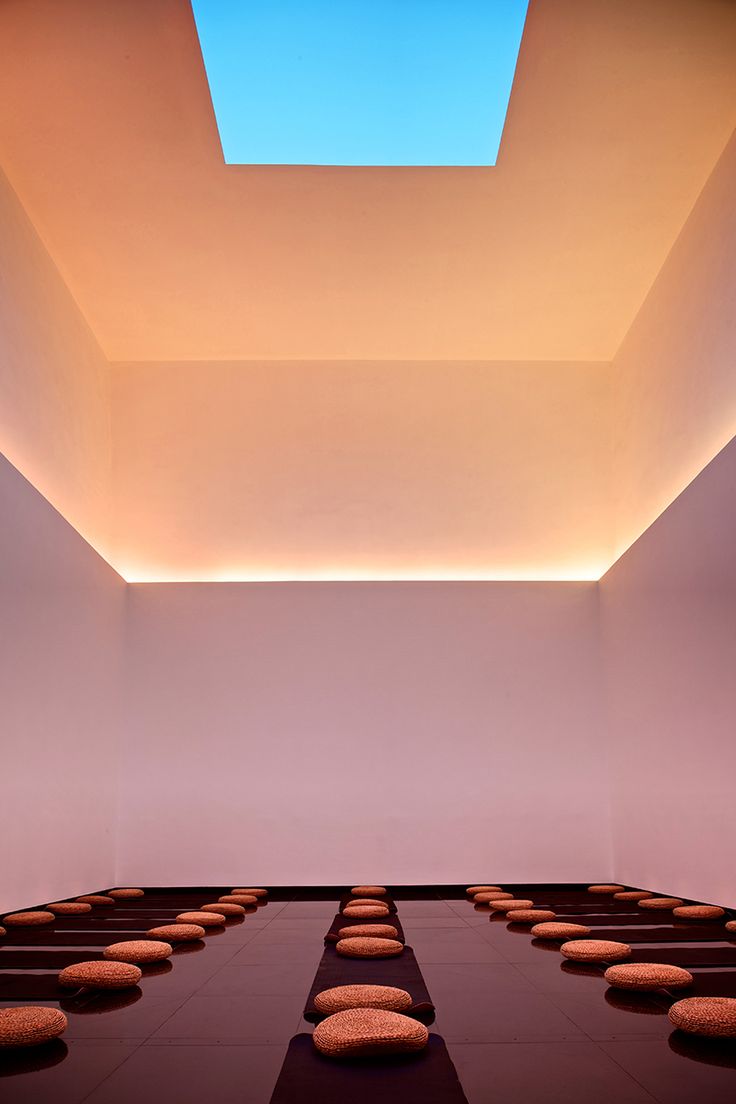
[[55, 421], [318, 733], [668, 630], [62, 611], [674, 377]]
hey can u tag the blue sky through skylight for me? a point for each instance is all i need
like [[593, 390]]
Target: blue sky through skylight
[[360, 82]]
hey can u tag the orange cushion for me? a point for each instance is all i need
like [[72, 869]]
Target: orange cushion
[[530, 916], [177, 933], [362, 996], [699, 912], [96, 899], [369, 891], [122, 894], [28, 919], [203, 919], [660, 903], [472, 890], [138, 950], [632, 895], [499, 905], [365, 912], [69, 908], [364, 1031], [30, 1026], [559, 931], [100, 975], [647, 976], [365, 947], [249, 892], [378, 931], [712, 1016], [224, 908], [595, 950], [604, 888]]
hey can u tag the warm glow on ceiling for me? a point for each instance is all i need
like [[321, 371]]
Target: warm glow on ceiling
[[585, 573]]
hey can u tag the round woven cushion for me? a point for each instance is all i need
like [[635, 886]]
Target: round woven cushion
[[362, 996], [28, 919], [69, 908], [121, 894], [250, 892], [225, 908], [501, 905], [243, 899], [595, 950], [30, 1026], [359, 1031], [660, 903], [365, 912], [204, 919], [605, 888], [100, 975], [715, 1016], [138, 950], [530, 916], [359, 901], [699, 912], [369, 891], [731, 925], [177, 933], [472, 890], [484, 897], [647, 975], [377, 931], [632, 895], [2, 932], [357, 946], [559, 931], [96, 899]]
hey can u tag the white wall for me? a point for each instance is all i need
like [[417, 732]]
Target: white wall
[[668, 624], [61, 610], [318, 733]]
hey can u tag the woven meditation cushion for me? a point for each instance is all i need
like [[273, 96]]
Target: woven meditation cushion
[[530, 916], [96, 899], [2, 932], [377, 931], [632, 895], [369, 891], [363, 1031], [204, 919], [357, 946], [28, 919], [225, 908], [250, 892], [100, 975], [714, 1016], [245, 900], [122, 894], [69, 908], [489, 895], [559, 931], [660, 903], [30, 1026], [362, 996], [647, 975], [699, 912], [731, 925], [177, 933], [472, 890], [595, 950], [605, 888], [359, 901], [365, 912], [499, 905], [138, 950]]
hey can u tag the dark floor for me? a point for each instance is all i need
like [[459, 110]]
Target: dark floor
[[215, 1021]]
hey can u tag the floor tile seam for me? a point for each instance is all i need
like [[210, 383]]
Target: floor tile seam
[[109, 1074], [628, 1073]]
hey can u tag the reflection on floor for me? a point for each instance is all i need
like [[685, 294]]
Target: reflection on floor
[[215, 1020]]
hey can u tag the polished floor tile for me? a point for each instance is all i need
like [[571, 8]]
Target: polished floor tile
[[679, 1069], [556, 1073], [59, 1072], [613, 1014], [234, 1019], [224, 1074], [436, 945]]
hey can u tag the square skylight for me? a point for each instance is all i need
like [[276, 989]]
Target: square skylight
[[360, 82]]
